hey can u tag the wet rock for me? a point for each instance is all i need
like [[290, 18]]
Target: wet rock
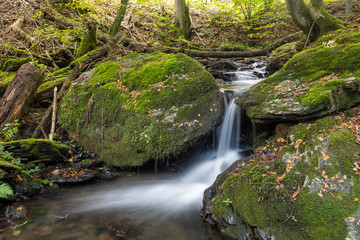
[[15, 211], [280, 56]]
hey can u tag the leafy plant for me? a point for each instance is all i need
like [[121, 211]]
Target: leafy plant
[[7, 156], [50, 182], [8, 132], [5, 190], [227, 202], [32, 170]]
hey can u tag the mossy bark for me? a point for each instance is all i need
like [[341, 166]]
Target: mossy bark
[[183, 19], [88, 42], [313, 20], [324, 20], [115, 27]]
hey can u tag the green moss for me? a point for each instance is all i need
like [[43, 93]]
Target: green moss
[[342, 145], [105, 73], [13, 64], [51, 84], [5, 79]]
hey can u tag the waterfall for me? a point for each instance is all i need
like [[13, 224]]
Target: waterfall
[[169, 197]]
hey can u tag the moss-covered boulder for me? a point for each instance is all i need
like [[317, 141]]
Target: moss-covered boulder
[[320, 80], [36, 151], [142, 107], [301, 185]]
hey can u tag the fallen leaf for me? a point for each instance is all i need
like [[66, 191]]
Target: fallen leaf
[[351, 219], [320, 139], [356, 199], [324, 156], [297, 143]]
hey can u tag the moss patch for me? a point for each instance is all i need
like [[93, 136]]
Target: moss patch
[[5, 79]]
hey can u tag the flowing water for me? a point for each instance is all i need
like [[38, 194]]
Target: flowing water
[[161, 206]]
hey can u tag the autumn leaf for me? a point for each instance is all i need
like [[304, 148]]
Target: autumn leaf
[[280, 140], [324, 156], [356, 199], [351, 219], [320, 139], [297, 143]]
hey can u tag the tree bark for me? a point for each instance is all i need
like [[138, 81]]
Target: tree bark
[[302, 18], [324, 20], [314, 20], [88, 41], [348, 8], [183, 17], [20, 93], [115, 27]]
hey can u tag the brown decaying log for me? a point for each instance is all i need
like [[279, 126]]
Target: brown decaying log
[[20, 93]]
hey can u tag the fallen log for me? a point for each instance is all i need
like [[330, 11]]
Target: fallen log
[[20, 93]]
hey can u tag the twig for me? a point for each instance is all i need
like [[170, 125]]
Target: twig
[[52, 60], [307, 39], [199, 37], [53, 119]]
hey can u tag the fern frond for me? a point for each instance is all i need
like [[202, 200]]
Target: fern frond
[[5, 190]]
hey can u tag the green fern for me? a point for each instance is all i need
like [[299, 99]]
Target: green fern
[[5, 190]]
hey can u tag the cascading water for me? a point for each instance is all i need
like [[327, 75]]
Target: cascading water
[[155, 207]]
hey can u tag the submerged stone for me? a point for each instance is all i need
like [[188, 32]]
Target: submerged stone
[[142, 107]]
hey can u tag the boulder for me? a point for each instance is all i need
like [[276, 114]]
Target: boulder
[[142, 107], [280, 56], [301, 185], [314, 83]]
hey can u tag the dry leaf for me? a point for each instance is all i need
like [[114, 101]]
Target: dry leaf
[[351, 219], [320, 139], [297, 143], [324, 156]]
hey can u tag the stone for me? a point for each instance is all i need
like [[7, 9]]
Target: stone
[[142, 107]]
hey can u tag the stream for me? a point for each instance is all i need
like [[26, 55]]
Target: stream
[[147, 206]]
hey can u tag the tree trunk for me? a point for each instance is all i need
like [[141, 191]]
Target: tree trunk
[[324, 20], [88, 42], [115, 27], [19, 94], [302, 18], [314, 19], [348, 8], [183, 17]]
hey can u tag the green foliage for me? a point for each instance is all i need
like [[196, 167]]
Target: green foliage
[[8, 132], [5, 190]]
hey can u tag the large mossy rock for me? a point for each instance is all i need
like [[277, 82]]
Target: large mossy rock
[[37, 151], [303, 184], [315, 82], [280, 56], [142, 107]]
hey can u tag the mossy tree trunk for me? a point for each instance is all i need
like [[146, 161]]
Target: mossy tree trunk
[[115, 27], [89, 41], [313, 19], [20, 93], [182, 17], [324, 20]]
